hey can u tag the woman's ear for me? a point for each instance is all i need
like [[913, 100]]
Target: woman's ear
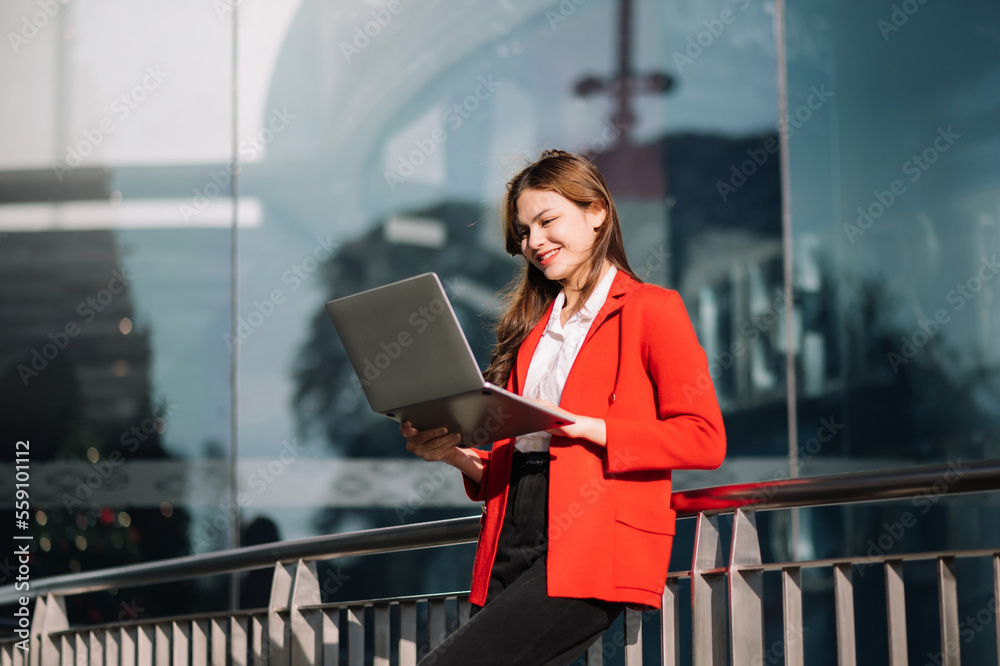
[[598, 212]]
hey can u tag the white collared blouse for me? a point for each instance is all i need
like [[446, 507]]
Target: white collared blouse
[[555, 354]]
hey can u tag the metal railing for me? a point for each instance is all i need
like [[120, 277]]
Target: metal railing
[[727, 597]]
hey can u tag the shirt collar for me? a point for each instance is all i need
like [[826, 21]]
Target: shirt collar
[[590, 308]]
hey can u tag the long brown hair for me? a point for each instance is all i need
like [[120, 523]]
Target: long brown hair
[[528, 296]]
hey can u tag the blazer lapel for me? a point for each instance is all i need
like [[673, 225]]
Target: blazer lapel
[[620, 288], [527, 350]]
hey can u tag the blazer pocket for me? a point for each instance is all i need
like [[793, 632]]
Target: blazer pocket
[[643, 537]]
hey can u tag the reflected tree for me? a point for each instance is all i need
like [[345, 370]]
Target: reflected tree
[[328, 398]]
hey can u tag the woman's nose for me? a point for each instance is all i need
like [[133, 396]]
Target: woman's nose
[[535, 238]]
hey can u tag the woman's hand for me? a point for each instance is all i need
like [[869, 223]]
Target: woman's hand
[[584, 427], [437, 444], [432, 445]]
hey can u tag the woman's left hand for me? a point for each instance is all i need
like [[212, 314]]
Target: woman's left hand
[[584, 427]]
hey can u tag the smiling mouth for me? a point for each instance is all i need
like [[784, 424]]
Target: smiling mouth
[[543, 258]]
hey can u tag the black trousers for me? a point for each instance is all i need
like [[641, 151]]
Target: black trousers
[[520, 625]]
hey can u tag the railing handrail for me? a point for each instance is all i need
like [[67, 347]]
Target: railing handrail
[[877, 485], [951, 478]]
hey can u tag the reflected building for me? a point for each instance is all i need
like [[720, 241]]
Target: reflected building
[[75, 380]]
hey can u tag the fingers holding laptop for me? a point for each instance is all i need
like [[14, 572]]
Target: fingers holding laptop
[[583, 427], [437, 444], [432, 445]]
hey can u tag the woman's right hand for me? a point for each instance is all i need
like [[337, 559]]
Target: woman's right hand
[[437, 444]]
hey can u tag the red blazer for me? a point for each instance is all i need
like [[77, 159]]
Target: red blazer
[[610, 525]]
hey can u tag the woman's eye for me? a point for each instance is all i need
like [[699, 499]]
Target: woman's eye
[[545, 222]]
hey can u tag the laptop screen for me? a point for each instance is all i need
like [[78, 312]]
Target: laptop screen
[[405, 343]]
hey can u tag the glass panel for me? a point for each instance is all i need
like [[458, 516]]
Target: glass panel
[[895, 192], [896, 221], [378, 138], [114, 297]]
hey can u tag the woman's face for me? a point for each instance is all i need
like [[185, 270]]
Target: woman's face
[[557, 235]]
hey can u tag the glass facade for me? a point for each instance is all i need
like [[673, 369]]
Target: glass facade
[[183, 188], [894, 119]]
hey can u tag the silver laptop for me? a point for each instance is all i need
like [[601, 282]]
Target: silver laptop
[[414, 364]]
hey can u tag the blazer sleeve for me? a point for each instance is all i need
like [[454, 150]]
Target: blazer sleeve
[[687, 432], [477, 491]]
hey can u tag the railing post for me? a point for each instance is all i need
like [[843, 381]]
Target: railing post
[[437, 628], [595, 652], [670, 648], [843, 593], [356, 635], [948, 605], [277, 651], [746, 593], [633, 637], [215, 632], [791, 605], [49, 616], [382, 635], [408, 633], [895, 594], [305, 626], [708, 595]]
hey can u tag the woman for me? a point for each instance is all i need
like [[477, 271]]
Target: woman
[[577, 522]]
